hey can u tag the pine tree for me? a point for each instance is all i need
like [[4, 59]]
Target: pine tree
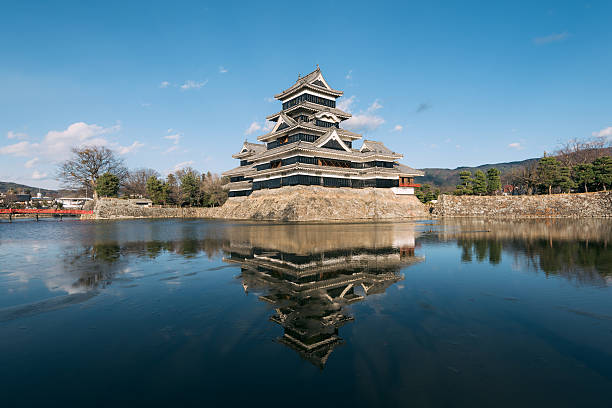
[[584, 175], [465, 188], [564, 180], [173, 189], [548, 172], [479, 183], [107, 185], [190, 188], [602, 167], [493, 180], [157, 190]]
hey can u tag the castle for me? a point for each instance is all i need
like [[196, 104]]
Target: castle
[[307, 146]]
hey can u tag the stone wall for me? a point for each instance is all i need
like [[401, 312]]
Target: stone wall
[[295, 203], [584, 205], [315, 203], [113, 208]]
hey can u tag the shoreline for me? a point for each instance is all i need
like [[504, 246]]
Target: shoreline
[[299, 204]]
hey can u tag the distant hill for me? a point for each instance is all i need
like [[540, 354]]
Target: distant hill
[[447, 179], [7, 185]]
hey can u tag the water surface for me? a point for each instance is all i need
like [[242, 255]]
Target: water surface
[[193, 312]]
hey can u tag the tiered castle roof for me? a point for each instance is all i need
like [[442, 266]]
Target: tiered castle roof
[[307, 140]]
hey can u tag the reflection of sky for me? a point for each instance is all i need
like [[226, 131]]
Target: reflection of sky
[[169, 315]]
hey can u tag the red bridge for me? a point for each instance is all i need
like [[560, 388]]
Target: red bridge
[[37, 212]]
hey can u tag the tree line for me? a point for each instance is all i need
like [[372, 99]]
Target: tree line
[[479, 183], [578, 166], [98, 169]]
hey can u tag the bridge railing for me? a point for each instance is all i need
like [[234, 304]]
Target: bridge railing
[[42, 211]]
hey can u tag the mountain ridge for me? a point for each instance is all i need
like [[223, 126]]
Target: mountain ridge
[[447, 179]]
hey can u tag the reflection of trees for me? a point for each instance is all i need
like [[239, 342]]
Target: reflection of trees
[[577, 251], [92, 266], [583, 261], [482, 249]]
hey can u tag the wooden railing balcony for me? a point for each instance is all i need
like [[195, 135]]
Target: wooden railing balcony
[[409, 185]]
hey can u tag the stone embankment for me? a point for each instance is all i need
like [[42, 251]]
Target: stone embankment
[[113, 208], [586, 205], [296, 203], [314, 203]]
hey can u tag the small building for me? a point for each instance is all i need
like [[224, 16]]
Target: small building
[[22, 198], [307, 146], [75, 203]]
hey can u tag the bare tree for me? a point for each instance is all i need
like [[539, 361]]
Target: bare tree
[[212, 189], [136, 181], [577, 151], [525, 178], [87, 164]]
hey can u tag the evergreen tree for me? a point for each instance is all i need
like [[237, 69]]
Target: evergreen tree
[[107, 185], [584, 175], [190, 189], [493, 180], [157, 190], [602, 167], [479, 183], [564, 180], [173, 190], [465, 188], [418, 192], [548, 172], [425, 194]]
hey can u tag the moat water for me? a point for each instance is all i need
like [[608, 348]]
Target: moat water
[[458, 313]]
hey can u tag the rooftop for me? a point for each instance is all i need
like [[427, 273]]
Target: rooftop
[[314, 81]]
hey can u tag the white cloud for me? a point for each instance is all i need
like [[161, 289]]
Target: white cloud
[[222, 70], [254, 127], [175, 138], [37, 175], [17, 149], [374, 106], [77, 134], [128, 149], [269, 99], [398, 128], [349, 75], [16, 135], [607, 132], [182, 165], [30, 163], [515, 145], [346, 104], [171, 149], [363, 122], [551, 38], [57, 143], [193, 84], [164, 84]]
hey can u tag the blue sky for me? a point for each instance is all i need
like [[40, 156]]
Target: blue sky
[[169, 84]]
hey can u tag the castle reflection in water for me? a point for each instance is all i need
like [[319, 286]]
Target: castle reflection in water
[[311, 273], [310, 290]]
